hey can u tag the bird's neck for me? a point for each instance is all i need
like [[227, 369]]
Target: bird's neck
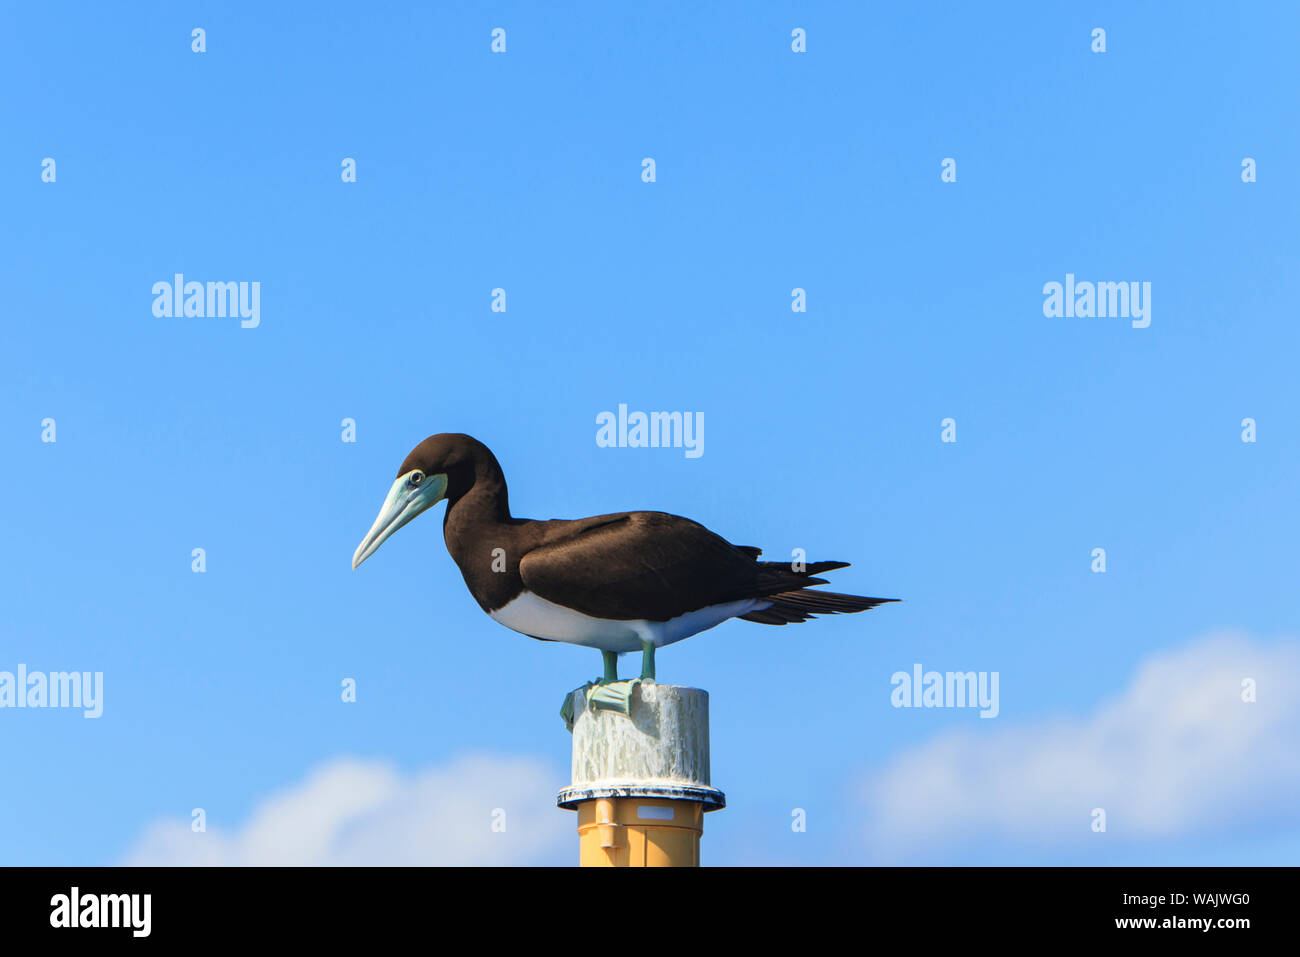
[[482, 540], [476, 511]]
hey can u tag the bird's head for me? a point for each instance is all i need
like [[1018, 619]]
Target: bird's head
[[442, 466]]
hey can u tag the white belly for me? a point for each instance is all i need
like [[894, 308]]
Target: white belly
[[530, 615]]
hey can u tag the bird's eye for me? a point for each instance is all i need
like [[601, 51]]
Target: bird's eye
[[417, 478]]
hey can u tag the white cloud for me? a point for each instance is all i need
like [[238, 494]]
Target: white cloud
[[1177, 753], [353, 812]]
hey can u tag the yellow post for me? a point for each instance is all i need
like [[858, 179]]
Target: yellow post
[[639, 832], [640, 783]]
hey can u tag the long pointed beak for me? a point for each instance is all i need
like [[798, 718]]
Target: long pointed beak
[[405, 501]]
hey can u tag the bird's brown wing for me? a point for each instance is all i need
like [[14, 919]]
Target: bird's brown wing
[[647, 565]]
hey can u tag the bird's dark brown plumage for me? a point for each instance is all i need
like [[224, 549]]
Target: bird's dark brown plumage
[[625, 566]]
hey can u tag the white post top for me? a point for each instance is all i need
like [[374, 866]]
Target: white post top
[[661, 750]]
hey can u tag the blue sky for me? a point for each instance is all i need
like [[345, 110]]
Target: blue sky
[[774, 170]]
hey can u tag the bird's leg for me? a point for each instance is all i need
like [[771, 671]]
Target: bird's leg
[[593, 688], [611, 694], [611, 667], [647, 661]]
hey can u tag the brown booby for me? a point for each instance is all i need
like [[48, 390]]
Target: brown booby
[[630, 581]]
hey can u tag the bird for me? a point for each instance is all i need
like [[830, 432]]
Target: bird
[[620, 583]]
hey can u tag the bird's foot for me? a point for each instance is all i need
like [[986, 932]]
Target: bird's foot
[[613, 696], [566, 709], [610, 693], [601, 696]]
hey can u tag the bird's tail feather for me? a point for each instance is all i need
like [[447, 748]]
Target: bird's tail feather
[[809, 568], [801, 604]]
